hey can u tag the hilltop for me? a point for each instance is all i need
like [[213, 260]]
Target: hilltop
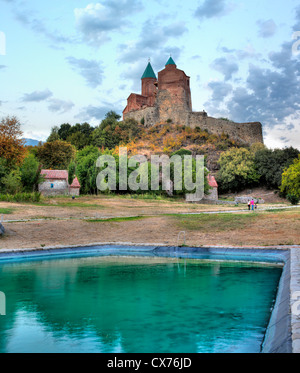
[[167, 138]]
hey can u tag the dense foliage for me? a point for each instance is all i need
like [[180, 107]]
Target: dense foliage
[[11, 146], [241, 168], [270, 164], [56, 155], [112, 132], [237, 170], [76, 149], [290, 185]]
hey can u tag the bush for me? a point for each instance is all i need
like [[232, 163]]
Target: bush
[[291, 181], [270, 164], [21, 197], [237, 170], [12, 182], [293, 199]]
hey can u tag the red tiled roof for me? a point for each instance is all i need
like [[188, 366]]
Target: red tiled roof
[[75, 183], [55, 174], [212, 181]]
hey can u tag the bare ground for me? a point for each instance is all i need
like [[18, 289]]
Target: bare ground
[[61, 221]]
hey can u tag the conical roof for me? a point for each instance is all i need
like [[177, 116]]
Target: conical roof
[[170, 61], [149, 73]]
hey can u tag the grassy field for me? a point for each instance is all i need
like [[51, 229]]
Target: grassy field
[[215, 222], [96, 219], [4, 210]]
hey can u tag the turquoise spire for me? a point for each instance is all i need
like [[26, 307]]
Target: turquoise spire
[[149, 73], [170, 61]]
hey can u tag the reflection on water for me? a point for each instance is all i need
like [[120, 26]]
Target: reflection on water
[[114, 304]]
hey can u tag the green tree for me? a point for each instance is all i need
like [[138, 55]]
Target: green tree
[[290, 185], [78, 135], [237, 170], [4, 170], [270, 164], [79, 140], [56, 155], [12, 182], [54, 134], [86, 169], [112, 132], [71, 172], [64, 131], [30, 171]]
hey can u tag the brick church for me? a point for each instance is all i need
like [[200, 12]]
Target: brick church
[[167, 98], [170, 78]]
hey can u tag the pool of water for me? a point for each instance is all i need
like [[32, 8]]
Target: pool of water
[[135, 304]]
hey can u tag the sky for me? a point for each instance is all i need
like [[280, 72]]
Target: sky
[[72, 61]]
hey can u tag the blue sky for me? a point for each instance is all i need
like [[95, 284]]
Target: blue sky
[[72, 61]]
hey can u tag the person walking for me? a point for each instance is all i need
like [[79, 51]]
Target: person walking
[[252, 204], [249, 204]]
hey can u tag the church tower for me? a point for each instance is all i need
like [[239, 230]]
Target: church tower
[[177, 83], [149, 84]]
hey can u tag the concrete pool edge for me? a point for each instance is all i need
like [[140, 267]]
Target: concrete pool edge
[[283, 331]]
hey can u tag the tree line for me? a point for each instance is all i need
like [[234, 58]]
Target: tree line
[[275, 169], [76, 149]]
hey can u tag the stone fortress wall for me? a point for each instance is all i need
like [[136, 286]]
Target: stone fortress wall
[[170, 99]]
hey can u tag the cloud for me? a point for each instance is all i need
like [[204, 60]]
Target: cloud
[[297, 24], [91, 112], [152, 42], [26, 18], [267, 28], [138, 64], [54, 104], [212, 8], [241, 54], [220, 91], [60, 106], [95, 21], [37, 96], [269, 94], [91, 70], [227, 68]]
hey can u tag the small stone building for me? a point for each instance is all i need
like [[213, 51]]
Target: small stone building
[[74, 189], [56, 183], [213, 193]]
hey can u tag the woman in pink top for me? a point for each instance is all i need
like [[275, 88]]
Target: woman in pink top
[[252, 204]]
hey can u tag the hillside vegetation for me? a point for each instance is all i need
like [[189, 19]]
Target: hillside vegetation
[[236, 165], [167, 138]]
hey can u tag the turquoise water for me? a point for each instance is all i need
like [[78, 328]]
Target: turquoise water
[[119, 304]]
